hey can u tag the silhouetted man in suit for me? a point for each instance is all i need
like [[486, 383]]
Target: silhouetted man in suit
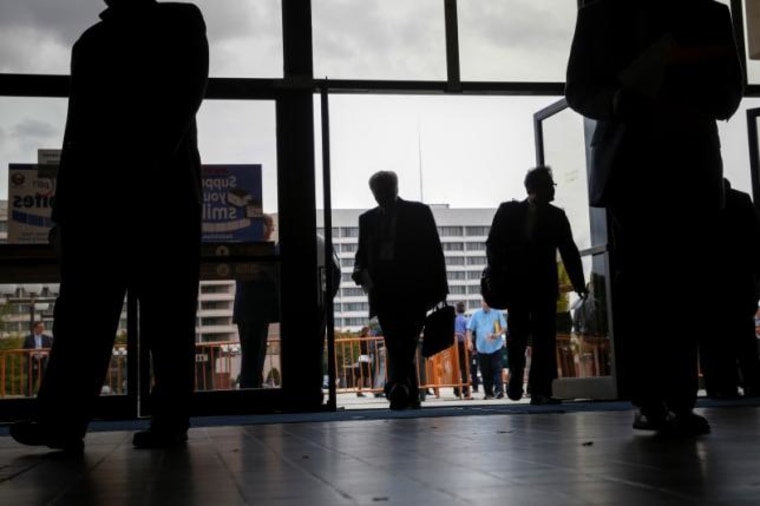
[[128, 217], [400, 264], [656, 75], [37, 362], [523, 242], [730, 357], [257, 304]]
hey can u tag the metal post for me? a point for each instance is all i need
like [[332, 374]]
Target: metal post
[[32, 300]]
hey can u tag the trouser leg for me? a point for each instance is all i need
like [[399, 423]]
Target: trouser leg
[[86, 318]]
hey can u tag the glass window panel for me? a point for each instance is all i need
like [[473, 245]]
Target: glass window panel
[[352, 292], [564, 151], [468, 152], [23, 365], [350, 232], [241, 132], [515, 40], [735, 147], [753, 65], [245, 37], [449, 231], [585, 351], [238, 132], [454, 260], [476, 231], [356, 306], [452, 246], [379, 39], [476, 260], [36, 36], [26, 126]]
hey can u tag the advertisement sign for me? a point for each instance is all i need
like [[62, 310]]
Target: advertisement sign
[[31, 191], [232, 201], [232, 208]]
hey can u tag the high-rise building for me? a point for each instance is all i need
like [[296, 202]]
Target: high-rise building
[[463, 234]]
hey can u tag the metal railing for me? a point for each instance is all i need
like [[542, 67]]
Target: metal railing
[[362, 366], [218, 366]]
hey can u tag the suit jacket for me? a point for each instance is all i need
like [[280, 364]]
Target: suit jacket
[[531, 261], [257, 300], [642, 106], [137, 80], [47, 341], [416, 277]]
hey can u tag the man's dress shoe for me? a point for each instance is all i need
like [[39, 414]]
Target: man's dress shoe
[[36, 434]]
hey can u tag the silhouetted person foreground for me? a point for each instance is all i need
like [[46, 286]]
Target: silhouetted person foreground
[[130, 161], [400, 263], [257, 304], [656, 75], [729, 358]]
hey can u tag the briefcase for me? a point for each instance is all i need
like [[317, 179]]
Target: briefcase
[[438, 333]]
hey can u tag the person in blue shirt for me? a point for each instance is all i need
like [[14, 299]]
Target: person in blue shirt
[[489, 327]]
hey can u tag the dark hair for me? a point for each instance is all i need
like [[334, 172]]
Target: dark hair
[[460, 307], [383, 179], [538, 177]]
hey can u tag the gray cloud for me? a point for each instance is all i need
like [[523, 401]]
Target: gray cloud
[[352, 38], [227, 20], [519, 23], [65, 20], [363, 39], [62, 21], [522, 40], [33, 30], [33, 129]]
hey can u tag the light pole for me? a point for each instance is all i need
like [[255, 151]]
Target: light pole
[[33, 294], [33, 291]]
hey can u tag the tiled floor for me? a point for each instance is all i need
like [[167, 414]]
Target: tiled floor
[[531, 457]]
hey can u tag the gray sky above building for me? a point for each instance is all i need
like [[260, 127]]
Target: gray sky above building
[[463, 151]]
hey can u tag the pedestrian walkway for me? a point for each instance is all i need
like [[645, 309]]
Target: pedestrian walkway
[[572, 454]]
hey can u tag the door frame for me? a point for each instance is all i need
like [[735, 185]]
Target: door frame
[[600, 387], [753, 117]]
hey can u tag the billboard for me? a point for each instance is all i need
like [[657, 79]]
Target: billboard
[[31, 191], [232, 203]]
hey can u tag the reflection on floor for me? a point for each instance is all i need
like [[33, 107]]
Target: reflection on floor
[[571, 454]]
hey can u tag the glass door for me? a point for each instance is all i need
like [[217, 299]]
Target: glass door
[[585, 342], [29, 287], [753, 133]]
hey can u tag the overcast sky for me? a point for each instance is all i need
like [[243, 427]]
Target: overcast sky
[[463, 151]]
